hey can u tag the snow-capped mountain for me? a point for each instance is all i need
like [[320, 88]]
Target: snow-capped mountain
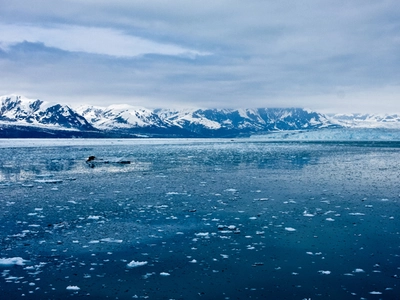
[[241, 121], [120, 116], [20, 111], [366, 120]]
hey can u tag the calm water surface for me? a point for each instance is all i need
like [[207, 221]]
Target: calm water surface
[[199, 219]]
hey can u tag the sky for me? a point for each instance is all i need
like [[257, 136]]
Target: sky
[[332, 56]]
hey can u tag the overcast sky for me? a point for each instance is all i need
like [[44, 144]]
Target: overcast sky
[[330, 56]]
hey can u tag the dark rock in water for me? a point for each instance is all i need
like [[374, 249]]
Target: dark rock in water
[[91, 160]]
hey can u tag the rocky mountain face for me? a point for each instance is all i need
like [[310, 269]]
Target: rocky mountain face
[[18, 110], [22, 117]]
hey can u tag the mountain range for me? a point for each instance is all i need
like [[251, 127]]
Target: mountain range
[[23, 117]]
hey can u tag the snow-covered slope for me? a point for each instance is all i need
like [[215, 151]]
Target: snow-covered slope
[[366, 120], [18, 110], [244, 120], [129, 121], [120, 116]]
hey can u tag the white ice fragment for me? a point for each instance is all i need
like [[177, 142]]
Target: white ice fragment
[[375, 293], [306, 214], [12, 261], [309, 253], [330, 219], [356, 214], [73, 288], [230, 190], [358, 271], [164, 274], [290, 229], [94, 217], [202, 234], [135, 264], [324, 272], [193, 261], [111, 240], [225, 256]]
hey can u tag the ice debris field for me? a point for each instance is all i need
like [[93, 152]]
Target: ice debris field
[[199, 219]]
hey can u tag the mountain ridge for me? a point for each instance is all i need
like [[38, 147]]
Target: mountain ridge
[[22, 117]]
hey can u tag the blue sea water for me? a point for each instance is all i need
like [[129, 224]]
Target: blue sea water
[[199, 219]]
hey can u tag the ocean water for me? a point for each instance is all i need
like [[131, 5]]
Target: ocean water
[[199, 219]]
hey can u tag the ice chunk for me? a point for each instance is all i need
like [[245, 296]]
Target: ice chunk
[[111, 240], [135, 264], [164, 274], [290, 229], [12, 261], [358, 271], [202, 234], [324, 272], [73, 288]]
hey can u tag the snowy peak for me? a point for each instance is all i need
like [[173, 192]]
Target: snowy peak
[[246, 120], [127, 120], [120, 116], [16, 107], [18, 110]]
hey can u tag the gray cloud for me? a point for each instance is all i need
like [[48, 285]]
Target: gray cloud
[[332, 55]]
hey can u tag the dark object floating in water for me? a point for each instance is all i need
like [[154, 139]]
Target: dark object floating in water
[[92, 160]]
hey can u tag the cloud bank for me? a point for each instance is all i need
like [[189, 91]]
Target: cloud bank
[[333, 56]]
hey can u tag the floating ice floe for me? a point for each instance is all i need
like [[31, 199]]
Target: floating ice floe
[[111, 240], [307, 214], [202, 234], [324, 272], [358, 271], [375, 293], [316, 253], [356, 214], [164, 274], [135, 264], [290, 229], [73, 288], [12, 261]]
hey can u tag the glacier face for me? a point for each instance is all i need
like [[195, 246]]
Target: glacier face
[[366, 120], [23, 117]]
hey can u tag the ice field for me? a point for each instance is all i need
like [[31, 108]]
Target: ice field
[[246, 218]]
